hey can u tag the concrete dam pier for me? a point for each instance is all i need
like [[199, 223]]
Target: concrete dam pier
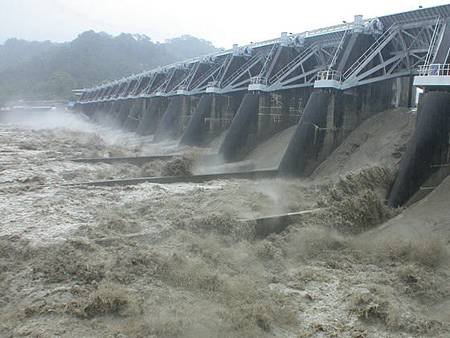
[[325, 82]]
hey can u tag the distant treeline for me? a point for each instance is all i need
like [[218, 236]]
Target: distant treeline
[[47, 70]]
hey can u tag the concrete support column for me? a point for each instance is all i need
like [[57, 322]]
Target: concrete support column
[[99, 110], [307, 136], [233, 104], [223, 109], [274, 114], [332, 132], [266, 122], [215, 114], [85, 108], [170, 123], [93, 110], [241, 126], [187, 110], [194, 133], [97, 107], [401, 89], [149, 120], [109, 109], [429, 145], [114, 111], [412, 91], [123, 112], [351, 118], [286, 101], [132, 120]]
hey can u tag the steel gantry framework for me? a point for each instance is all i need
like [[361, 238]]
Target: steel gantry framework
[[400, 44], [399, 51]]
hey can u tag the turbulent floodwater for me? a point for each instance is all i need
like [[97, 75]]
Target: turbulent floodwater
[[175, 260]]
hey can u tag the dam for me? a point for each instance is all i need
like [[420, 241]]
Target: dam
[[325, 82], [295, 187]]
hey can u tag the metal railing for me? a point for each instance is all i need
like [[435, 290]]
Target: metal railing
[[329, 74], [435, 69], [380, 41], [240, 71], [259, 80], [283, 71], [304, 35], [205, 76]]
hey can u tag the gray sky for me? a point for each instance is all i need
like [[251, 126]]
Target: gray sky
[[222, 22]]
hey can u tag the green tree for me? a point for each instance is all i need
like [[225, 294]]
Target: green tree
[[60, 85], [42, 70]]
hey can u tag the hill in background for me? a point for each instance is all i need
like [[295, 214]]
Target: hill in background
[[47, 70]]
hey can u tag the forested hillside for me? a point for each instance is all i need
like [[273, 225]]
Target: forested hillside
[[46, 70]]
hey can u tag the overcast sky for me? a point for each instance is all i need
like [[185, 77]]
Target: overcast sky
[[221, 22]]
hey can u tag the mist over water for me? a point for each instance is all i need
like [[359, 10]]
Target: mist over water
[[54, 118], [175, 260], [105, 130]]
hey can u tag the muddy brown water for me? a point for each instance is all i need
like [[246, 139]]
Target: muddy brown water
[[173, 260]]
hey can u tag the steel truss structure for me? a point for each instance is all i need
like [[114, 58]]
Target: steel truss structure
[[401, 43], [398, 52]]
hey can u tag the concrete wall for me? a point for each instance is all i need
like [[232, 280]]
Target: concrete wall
[[280, 110], [343, 113], [349, 109]]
